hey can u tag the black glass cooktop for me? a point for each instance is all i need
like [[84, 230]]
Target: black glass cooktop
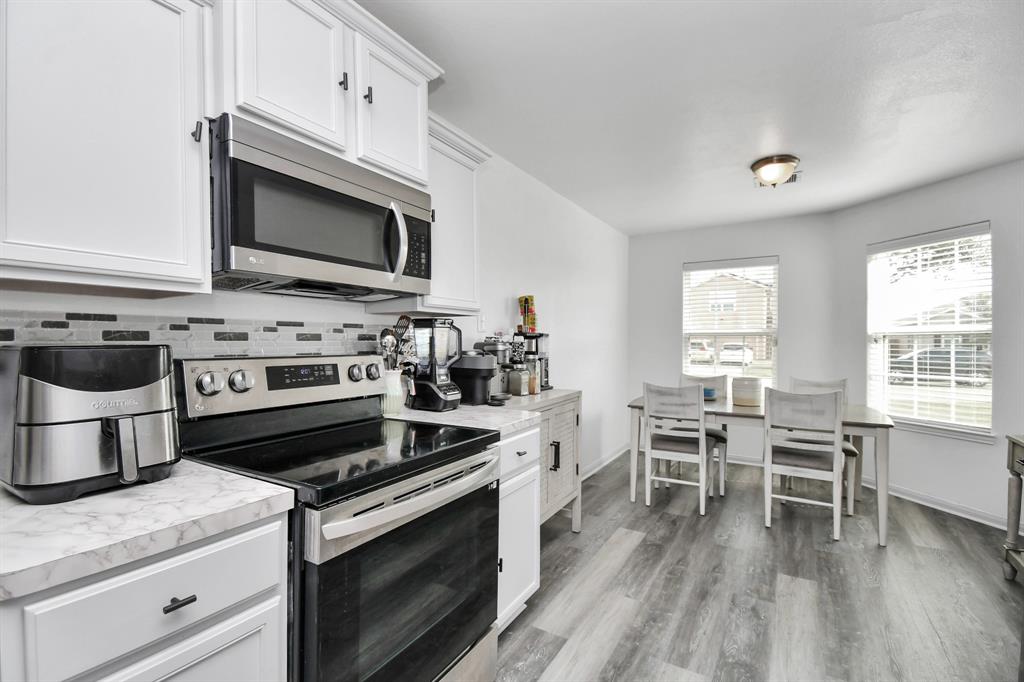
[[330, 465]]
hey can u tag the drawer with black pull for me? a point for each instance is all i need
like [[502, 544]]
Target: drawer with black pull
[[519, 451], [76, 631]]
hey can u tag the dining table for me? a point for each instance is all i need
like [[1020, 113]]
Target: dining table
[[859, 422]]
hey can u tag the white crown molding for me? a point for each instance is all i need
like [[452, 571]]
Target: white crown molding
[[445, 132], [372, 27]]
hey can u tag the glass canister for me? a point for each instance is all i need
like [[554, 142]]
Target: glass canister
[[519, 380], [394, 392]]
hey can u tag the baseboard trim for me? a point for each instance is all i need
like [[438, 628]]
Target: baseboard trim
[[618, 452]]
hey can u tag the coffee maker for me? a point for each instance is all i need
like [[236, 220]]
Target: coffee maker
[[438, 345], [536, 351]]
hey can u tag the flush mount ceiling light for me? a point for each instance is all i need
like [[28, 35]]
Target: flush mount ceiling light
[[775, 170]]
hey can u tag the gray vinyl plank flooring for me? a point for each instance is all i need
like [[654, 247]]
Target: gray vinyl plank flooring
[[661, 593]]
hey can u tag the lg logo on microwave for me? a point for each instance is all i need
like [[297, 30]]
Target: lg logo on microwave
[[255, 261], [108, 404]]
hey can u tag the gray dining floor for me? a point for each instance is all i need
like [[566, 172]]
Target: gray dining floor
[[661, 593]]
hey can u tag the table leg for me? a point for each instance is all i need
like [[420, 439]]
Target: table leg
[[577, 511], [858, 470], [1013, 495], [882, 483], [634, 451]]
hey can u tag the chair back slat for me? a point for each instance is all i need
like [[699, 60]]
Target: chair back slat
[[814, 412], [811, 386], [720, 383], [680, 410]]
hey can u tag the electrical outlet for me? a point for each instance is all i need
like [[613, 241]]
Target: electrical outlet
[[481, 323]]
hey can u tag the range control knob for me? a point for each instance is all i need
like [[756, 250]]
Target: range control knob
[[210, 383], [355, 373], [373, 371], [241, 380]]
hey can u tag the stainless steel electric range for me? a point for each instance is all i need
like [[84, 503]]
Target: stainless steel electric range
[[394, 538]]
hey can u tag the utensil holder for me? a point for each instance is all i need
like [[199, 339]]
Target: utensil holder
[[394, 392]]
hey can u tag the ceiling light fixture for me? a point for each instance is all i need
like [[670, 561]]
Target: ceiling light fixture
[[774, 170]]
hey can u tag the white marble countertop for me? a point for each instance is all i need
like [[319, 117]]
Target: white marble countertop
[[46, 545], [502, 419], [541, 400]]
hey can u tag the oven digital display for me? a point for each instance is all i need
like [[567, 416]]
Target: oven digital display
[[300, 376]]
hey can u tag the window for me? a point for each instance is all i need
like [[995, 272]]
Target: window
[[730, 310], [930, 327]]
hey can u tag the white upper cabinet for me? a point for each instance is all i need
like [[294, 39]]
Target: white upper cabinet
[[101, 180], [329, 74], [392, 112], [454, 158], [293, 67]]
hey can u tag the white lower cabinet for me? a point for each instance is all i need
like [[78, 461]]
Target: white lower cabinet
[[518, 525], [213, 612], [247, 647]]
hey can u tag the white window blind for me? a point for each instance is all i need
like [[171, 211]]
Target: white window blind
[[930, 327], [730, 313]]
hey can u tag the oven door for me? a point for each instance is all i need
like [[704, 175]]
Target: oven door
[[283, 218], [399, 583]]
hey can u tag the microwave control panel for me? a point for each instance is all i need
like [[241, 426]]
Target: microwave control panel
[[418, 263]]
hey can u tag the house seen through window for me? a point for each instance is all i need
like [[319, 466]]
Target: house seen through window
[[930, 327], [730, 312]]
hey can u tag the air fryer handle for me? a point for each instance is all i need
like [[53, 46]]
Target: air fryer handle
[[127, 451]]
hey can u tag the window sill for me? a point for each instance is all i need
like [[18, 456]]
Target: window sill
[[967, 433]]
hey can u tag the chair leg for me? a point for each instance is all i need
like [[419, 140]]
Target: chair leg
[[703, 477], [647, 477], [721, 469], [851, 466], [767, 497], [837, 503]]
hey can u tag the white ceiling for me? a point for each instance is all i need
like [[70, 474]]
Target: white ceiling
[[649, 114]]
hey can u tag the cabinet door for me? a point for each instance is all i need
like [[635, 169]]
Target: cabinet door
[[453, 238], [250, 646], [101, 181], [391, 112], [562, 482], [518, 543], [292, 66]]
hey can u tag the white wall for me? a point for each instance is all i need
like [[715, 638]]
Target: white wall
[[535, 241], [822, 318], [964, 477]]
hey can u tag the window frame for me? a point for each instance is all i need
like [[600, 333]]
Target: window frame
[[717, 337], [958, 430]]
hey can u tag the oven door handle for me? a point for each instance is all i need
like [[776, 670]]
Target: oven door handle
[[403, 242], [414, 506]]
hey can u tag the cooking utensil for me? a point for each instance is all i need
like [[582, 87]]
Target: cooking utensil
[[402, 326], [388, 346]]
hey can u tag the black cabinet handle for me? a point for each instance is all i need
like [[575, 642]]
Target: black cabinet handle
[[197, 134], [369, 95], [344, 80], [179, 603], [501, 564], [521, 453], [558, 456], [1020, 462]]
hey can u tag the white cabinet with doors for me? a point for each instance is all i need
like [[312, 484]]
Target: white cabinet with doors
[[455, 159], [518, 524], [330, 74], [104, 174]]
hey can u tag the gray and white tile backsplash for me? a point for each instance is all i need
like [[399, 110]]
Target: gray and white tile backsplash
[[190, 337]]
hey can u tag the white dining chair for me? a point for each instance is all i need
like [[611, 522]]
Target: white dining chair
[[721, 385], [803, 436], [810, 386], [675, 432]]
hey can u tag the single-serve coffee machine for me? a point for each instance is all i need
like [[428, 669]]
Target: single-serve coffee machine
[[438, 345], [536, 351]]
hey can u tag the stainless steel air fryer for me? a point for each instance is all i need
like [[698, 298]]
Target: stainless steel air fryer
[[76, 419]]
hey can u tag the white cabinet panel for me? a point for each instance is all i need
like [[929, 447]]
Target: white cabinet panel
[[249, 646], [453, 237], [391, 112], [101, 181], [292, 64], [518, 543]]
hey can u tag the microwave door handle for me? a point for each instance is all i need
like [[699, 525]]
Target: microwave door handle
[[413, 507], [127, 452], [403, 242]]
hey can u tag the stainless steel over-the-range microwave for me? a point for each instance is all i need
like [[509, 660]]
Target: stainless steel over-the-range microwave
[[291, 219]]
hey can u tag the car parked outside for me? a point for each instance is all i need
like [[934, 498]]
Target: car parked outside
[[702, 352], [972, 367], [735, 354]]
